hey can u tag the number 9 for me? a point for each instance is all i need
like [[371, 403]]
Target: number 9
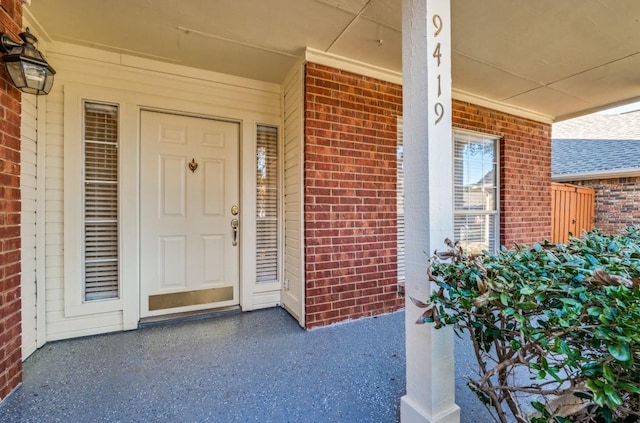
[[437, 22], [439, 109]]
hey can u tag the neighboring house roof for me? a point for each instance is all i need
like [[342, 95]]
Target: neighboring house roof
[[572, 157], [596, 146], [488, 179]]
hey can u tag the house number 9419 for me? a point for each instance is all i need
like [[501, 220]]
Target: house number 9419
[[438, 108]]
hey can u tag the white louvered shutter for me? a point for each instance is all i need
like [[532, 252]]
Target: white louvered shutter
[[267, 222], [101, 279]]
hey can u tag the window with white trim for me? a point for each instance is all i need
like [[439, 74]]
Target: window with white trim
[[267, 207], [475, 181], [400, 200], [100, 195]]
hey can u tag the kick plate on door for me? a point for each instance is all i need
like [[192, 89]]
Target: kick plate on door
[[190, 298]]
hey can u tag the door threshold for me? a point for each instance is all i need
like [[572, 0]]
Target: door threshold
[[170, 319]]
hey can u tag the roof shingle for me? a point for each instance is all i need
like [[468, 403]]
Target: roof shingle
[[596, 143], [586, 156]]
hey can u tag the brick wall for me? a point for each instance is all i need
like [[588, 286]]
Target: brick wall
[[350, 183], [525, 170], [10, 330], [617, 202], [350, 195]]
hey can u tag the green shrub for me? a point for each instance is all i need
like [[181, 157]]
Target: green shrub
[[567, 316]]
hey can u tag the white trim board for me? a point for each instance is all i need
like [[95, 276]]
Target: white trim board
[[600, 174], [156, 66]]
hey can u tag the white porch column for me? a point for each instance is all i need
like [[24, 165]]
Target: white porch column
[[428, 160]]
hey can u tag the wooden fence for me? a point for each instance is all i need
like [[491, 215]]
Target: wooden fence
[[572, 211]]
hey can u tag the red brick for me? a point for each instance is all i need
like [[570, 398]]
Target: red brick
[[10, 110]]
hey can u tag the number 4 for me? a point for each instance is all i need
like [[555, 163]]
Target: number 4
[[437, 54]]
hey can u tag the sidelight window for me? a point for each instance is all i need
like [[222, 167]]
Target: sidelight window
[[267, 208], [400, 201], [100, 194]]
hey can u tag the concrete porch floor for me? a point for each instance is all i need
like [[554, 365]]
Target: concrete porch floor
[[246, 367]]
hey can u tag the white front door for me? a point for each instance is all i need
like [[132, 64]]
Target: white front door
[[189, 193]]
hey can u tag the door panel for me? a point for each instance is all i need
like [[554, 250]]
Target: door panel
[[173, 190], [173, 258], [189, 182], [213, 193], [213, 260]]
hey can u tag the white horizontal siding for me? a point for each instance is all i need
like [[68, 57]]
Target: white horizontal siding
[[266, 299], [74, 327], [293, 294], [54, 205], [28, 188]]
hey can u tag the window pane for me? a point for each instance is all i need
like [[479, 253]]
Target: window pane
[[476, 232], [474, 172], [101, 261], [267, 222], [475, 178]]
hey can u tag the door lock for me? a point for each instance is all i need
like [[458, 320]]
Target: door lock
[[234, 228]]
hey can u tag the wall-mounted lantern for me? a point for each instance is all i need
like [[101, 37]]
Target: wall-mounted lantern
[[27, 67]]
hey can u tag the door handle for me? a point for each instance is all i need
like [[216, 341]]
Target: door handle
[[234, 227]]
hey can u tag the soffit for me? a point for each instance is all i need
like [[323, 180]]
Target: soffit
[[555, 58]]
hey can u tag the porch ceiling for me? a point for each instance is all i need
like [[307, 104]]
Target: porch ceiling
[[556, 58]]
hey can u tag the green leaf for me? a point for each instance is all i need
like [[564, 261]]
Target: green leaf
[[612, 396], [526, 290], [594, 311], [629, 387], [573, 263], [527, 305], [509, 311], [538, 406], [554, 373], [504, 299], [552, 257], [592, 259], [607, 372], [606, 414], [570, 302], [620, 352], [564, 348], [604, 320], [599, 398]]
